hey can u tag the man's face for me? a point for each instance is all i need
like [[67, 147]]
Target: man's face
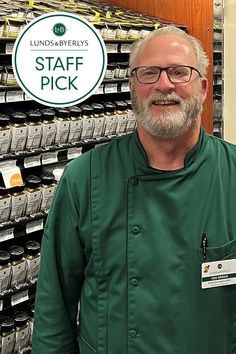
[[165, 109]]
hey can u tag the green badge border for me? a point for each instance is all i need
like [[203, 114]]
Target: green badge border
[[79, 100]]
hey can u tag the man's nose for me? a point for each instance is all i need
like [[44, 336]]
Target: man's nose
[[164, 84]]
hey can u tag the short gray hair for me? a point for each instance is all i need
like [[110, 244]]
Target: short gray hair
[[202, 57]]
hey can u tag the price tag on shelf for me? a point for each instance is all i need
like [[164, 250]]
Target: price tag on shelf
[[14, 96], [27, 98], [2, 96], [33, 226], [112, 47], [125, 48], [20, 297], [32, 161], [72, 153], [125, 87], [110, 88], [6, 234], [99, 90], [49, 157]]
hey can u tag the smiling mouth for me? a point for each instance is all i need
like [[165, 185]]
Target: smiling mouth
[[165, 103]]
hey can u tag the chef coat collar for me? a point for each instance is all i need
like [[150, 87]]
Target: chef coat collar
[[191, 156]]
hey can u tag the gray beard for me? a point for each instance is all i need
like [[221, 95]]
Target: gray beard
[[170, 124]]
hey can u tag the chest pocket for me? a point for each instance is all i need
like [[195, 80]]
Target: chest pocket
[[226, 251]]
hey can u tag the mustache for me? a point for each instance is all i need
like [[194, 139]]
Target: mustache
[[164, 97]]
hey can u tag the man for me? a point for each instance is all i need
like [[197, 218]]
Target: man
[[137, 225]]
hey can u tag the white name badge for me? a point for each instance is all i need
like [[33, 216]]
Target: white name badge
[[219, 273]]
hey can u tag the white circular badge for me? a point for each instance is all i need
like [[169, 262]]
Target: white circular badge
[[59, 59]]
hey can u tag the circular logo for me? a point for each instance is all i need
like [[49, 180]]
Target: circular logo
[[59, 59], [59, 29], [219, 266]]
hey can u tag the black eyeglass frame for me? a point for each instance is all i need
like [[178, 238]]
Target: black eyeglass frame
[[164, 69]]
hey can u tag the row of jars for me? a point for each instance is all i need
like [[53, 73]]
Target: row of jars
[[19, 266], [112, 30], [16, 331], [21, 131], [117, 71], [34, 196]]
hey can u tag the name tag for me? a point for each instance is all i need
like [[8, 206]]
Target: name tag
[[219, 273]]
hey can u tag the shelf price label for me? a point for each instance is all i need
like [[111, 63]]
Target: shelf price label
[[34, 226], [20, 297], [6, 234], [32, 161], [49, 157]]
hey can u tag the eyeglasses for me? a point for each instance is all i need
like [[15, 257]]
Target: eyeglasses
[[176, 74]]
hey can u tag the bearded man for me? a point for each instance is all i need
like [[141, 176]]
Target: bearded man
[[142, 230]]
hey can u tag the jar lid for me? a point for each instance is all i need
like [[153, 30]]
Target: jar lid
[[4, 191], [75, 111], [20, 318], [99, 25], [111, 66], [123, 65], [9, 68], [4, 120], [33, 181], [34, 116], [125, 26], [17, 189], [98, 108], [148, 27], [18, 117], [47, 178], [62, 113], [16, 252], [7, 324], [4, 257], [48, 114], [87, 110], [32, 247], [121, 105]]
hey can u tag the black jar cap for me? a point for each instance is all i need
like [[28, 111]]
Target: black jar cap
[[4, 257], [16, 252], [47, 178], [32, 247], [47, 114], [7, 324], [32, 181], [20, 318]]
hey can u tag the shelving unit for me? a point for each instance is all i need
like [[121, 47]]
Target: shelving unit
[[218, 70]]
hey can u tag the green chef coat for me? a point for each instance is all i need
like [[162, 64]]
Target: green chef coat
[[125, 240]]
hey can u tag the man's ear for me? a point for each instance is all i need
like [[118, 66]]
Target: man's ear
[[204, 86]]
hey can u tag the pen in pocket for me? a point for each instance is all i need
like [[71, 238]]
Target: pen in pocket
[[204, 245]]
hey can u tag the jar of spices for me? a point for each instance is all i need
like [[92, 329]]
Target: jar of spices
[[48, 127], [13, 26], [75, 124], [110, 71], [87, 122], [5, 134], [18, 131], [5, 271], [18, 266], [62, 121], [33, 194], [32, 257], [7, 337], [34, 126], [5, 205], [8, 77], [18, 202], [48, 188], [22, 331]]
